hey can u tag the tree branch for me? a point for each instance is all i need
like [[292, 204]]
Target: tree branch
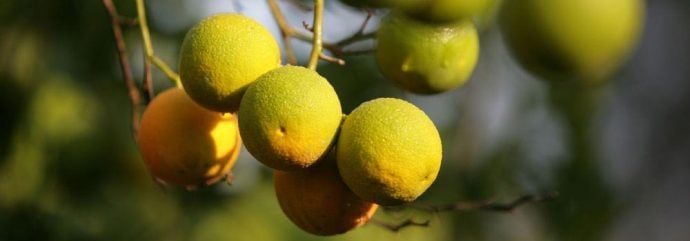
[[317, 30], [460, 207], [337, 49], [132, 89], [284, 31], [148, 47], [488, 205]]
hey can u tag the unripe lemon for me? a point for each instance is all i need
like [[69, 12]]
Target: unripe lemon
[[316, 200], [584, 40], [426, 58], [389, 152], [186, 144], [221, 56], [453, 10], [289, 117]]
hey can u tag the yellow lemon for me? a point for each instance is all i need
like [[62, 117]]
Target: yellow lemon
[[426, 58], [186, 144], [584, 40], [389, 151], [289, 117], [316, 200], [221, 56]]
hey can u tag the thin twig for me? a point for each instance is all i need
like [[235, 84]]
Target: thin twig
[[284, 31], [337, 49], [466, 207], [399, 226], [147, 85], [134, 94], [488, 205], [332, 59], [300, 5], [317, 29], [148, 47]]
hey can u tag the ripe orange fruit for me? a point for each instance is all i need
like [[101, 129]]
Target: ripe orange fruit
[[316, 200], [186, 144]]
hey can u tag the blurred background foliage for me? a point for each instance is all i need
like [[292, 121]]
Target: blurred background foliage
[[69, 169]]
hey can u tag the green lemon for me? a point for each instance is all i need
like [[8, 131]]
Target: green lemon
[[452, 10], [585, 40], [221, 56], [426, 58], [289, 118], [389, 151]]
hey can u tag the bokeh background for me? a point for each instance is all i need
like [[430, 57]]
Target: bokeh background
[[69, 168]]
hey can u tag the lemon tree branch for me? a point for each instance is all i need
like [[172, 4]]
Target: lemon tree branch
[[317, 31], [460, 207], [134, 94], [148, 47], [285, 31], [336, 48]]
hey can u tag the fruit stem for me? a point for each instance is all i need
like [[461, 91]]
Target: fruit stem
[[148, 47], [134, 94], [317, 41], [336, 48]]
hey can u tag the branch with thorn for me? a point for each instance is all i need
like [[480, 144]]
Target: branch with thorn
[[460, 207], [337, 49]]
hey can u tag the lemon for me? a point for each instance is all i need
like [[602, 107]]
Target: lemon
[[289, 117], [452, 10], [186, 144], [317, 201], [585, 40], [221, 56], [389, 151], [426, 58]]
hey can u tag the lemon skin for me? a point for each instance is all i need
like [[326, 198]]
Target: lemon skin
[[389, 151], [426, 58], [221, 56], [289, 118]]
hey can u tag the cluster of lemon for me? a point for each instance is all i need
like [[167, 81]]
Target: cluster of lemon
[[429, 47], [331, 171]]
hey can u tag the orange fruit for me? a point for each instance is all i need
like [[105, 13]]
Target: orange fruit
[[317, 201], [186, 144]]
